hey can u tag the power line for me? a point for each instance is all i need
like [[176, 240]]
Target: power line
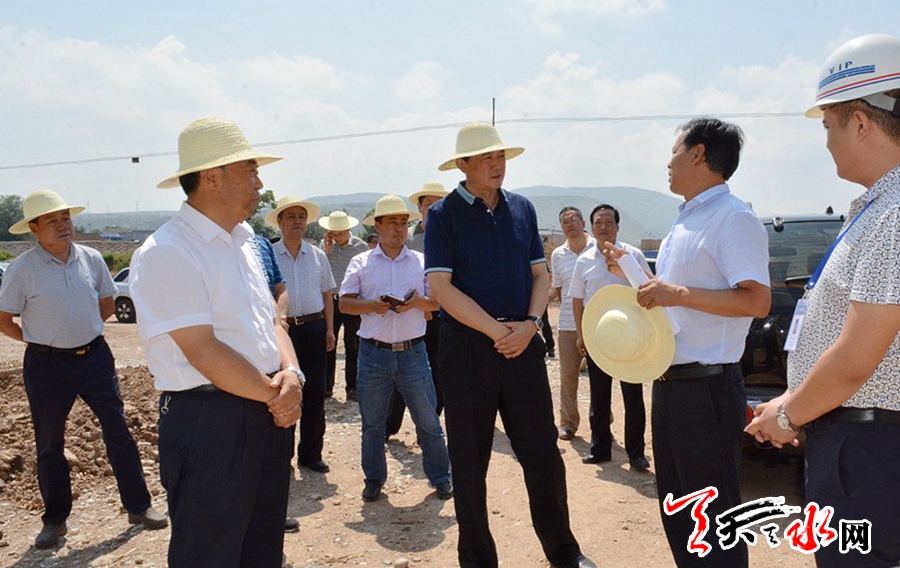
[[136, 158]]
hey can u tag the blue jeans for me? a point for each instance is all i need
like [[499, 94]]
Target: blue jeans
[[380, 371]]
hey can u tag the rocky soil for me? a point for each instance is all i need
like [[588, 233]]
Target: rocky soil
[[614, 512]]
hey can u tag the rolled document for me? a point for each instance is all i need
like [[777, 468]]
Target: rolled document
[[636, 276]]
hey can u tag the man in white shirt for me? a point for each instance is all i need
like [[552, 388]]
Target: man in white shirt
[[231, 389], [388, 289], [562, 263], [713, 271], [589, 275], [310, 318]]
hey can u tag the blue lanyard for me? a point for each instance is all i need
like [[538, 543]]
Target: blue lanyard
[[811, 283]]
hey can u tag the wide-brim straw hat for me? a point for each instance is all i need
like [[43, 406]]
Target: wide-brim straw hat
[[431, 188], [338, 221], [478, 138], [288, 201], [210, 143], [628, 342], [391, 205], [41, 203]]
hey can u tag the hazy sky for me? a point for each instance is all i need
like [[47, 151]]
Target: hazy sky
[[87, 81]]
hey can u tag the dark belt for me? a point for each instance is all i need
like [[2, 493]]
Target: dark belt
[[395, 347], [842, 414], [690, 371], [300, 320], [76, 351]]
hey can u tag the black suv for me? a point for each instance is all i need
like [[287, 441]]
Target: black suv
[[796, 245]]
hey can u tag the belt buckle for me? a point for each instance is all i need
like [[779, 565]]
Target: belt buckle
[[81, 352], [397, 347]]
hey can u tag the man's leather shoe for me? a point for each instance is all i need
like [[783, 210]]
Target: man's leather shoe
[[639, 464], [444, 490], [151, 519], [592, 459], [372, 491], [318, 465], [49, 535], [291, 525], [581, 562], [566, 434], [351, 395]]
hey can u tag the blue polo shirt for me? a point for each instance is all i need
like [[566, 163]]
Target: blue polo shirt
[[489, 253]]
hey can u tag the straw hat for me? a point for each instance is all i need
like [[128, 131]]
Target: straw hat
[[431, 188], [288, 201], [391, 205], [40, 203], [478, 138], [628, 342], [338, 221], [210, 143]]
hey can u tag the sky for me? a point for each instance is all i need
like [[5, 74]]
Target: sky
[[593, 89]]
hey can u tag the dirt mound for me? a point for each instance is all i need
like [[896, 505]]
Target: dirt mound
[[85, 450]]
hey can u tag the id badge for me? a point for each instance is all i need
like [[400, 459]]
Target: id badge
[[790, 343]]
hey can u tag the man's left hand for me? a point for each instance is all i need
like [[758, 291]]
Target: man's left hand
[[330, 341], [764, 426], [285, 407], [515, 343]]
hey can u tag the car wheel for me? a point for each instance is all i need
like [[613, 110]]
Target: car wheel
[[125, 311]]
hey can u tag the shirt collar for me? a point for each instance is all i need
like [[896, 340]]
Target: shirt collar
[[704, 197], [590, 242], [208, 230], [45, 255], [377, 251], [881, 186], [470, 199]]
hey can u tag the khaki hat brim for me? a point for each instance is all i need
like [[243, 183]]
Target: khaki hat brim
[[413, 216], [21, 227], [312, 212], [324, 222], [511, 152], [261, 160], [657, 328], [415, 197]]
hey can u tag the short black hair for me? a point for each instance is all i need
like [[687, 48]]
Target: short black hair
[[370, 237], [722, 142], [189, 182], [568, 208], [605, 207]]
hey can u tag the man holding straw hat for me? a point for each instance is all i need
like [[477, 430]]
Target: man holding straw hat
[[485, 263], [231, 389], [713, 274]]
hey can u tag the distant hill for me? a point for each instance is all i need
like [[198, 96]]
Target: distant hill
[[645, 213]]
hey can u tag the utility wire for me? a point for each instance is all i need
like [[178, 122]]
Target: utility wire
[[136, 158]]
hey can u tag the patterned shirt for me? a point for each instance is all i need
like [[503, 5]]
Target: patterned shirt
[[862, 268], [340, 257], [266, 257], [562, 263]]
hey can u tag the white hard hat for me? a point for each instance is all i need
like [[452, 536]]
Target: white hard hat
[[862, 68]]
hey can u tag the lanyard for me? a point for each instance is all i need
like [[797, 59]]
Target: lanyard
[[811, 283]]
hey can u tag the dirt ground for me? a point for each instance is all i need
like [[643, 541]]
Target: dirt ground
[[613, 509]]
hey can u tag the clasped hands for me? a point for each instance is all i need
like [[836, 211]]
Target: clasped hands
[[286, 406]]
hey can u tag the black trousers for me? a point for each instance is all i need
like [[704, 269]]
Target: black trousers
[[601, 401], [547, 331], [309, 344], [52, 382], [698, 426], [351, 349], [478, 383], [398, 406], [226, 468], [855, 468]]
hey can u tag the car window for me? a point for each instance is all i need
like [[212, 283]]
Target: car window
[[122, 276], [795, 251]]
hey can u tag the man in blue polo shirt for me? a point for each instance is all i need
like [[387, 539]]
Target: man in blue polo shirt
[[486, 268]]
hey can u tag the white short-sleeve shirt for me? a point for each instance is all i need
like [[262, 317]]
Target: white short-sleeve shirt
[[591, 273], [192, 272], [562, 263]]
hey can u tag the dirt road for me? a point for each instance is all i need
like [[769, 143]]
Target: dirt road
[[613, 510]]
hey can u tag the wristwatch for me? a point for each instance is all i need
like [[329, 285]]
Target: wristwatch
[[297, 372], [783, 421], [538, 322]]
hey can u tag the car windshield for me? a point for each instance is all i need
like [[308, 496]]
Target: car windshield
[[795, 251]]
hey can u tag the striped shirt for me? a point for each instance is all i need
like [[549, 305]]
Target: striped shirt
[[308, 277], [265, 254], [562, 263]]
